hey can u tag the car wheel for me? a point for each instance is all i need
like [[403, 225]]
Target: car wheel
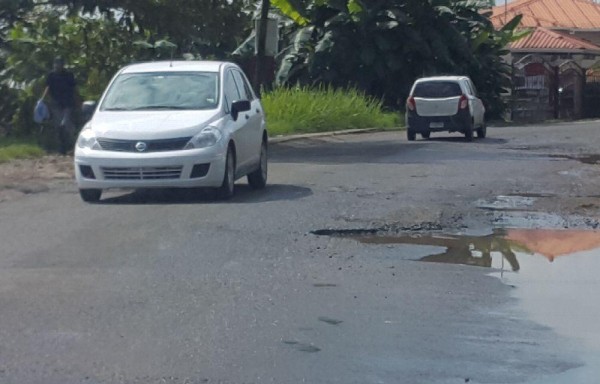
[[469, 132], [426, 135], [90, 195], [227, 188], [258, 178], [411, 135], [482, 131]]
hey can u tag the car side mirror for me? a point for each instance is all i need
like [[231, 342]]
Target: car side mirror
[[239, 106], [87, 109]]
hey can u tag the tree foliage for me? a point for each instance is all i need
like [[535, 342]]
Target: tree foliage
[[383, 46], [97, 37]]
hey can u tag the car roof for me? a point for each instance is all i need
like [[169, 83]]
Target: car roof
[[442, 78], [176, 66]]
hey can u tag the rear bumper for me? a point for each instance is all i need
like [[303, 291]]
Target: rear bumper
[[455, 123]]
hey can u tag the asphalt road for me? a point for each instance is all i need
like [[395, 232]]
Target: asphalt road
[[172, 287]]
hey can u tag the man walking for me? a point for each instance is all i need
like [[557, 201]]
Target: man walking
[[61, 86]]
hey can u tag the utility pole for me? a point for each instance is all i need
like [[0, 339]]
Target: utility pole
[[261, 33]]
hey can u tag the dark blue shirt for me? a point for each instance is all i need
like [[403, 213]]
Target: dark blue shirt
[[61, 86]]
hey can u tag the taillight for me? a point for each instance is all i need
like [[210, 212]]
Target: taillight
[[463, 102], [410, 104]]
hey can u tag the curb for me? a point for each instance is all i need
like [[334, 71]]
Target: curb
[[283, 139]]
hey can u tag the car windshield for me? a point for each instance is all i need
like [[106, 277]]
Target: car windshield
[[163, 91], [437, 89]]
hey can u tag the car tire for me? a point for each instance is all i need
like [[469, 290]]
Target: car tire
[[411, 135], [426, 134], [482, 131], [227, 188], [90, 195], [469, 132], [258, 178]]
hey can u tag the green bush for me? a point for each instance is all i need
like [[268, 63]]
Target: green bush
[[305, 110], [11, 149]]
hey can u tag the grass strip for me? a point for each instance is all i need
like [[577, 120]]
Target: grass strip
[[323, 109], [11, 149]]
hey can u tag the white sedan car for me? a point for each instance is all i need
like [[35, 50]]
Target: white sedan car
[[173, 124]]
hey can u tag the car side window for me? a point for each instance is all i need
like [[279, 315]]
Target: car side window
[[243, 86], [473, 88], [248, 87], [468, 87], [231, 91]]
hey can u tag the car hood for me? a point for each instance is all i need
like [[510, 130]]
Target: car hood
[[150, 125]]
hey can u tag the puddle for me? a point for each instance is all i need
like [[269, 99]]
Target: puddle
[[499, 249], [554, 273], [558, 287], [456, 249]]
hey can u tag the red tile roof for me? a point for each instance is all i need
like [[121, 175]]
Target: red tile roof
[[545, 40], [576, 14]]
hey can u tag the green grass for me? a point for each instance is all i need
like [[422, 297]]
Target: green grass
[[308, 110], [16, 149]]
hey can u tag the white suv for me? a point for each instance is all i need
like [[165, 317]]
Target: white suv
[[173, 124], [444, 104]]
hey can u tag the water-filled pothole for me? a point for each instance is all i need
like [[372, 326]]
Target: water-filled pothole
[[584, 159], [458, 249], [554, 273], [498, 249]]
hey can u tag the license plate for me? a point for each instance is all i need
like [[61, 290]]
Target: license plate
[[436, 125]]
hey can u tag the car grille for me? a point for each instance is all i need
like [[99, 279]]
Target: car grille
[[151, 145], [143, 173]]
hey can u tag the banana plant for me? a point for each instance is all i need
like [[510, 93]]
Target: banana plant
[[382, 46]]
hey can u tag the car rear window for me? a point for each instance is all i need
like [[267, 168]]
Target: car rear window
[[437, 89]]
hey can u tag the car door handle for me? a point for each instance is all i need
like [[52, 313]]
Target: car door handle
[[247, 117], [258, 111]]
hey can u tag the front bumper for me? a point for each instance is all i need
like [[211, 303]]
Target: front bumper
[[101, 169], [455, 123]]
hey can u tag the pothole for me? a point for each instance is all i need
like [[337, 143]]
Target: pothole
[[584, 159], [517, 211], [495, 250], [456, 249], [510, 202], [533, 220], [388, 228]]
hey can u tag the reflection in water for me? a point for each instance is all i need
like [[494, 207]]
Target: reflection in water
[[468, 250], [552, 243], [478, 250]]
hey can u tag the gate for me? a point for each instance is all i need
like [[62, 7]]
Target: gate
[[533, 98], [591, 94], [571, 79]]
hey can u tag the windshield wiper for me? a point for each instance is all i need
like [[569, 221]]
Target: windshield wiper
[[117, 109], [158, 107]]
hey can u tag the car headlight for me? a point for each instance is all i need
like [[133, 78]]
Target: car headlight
[[87, 139], [208, 137]]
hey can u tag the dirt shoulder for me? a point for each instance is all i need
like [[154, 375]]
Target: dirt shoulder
[[28, 176]]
